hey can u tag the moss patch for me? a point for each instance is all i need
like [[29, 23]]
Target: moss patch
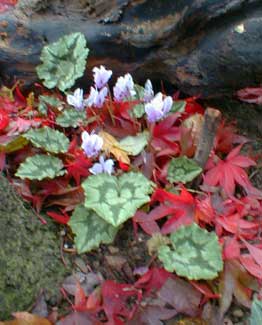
[[29, 255]]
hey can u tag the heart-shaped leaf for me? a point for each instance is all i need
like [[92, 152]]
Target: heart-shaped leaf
[[40, 167], [178, 106], [48, 100], [183, 170], [49, 139], [256, 312], [195, 253], [71, 117], [64, 61], [90, 229], [135, 144], [116, 199]]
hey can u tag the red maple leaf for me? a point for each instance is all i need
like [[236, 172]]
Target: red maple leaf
[[4, 119], [252, 95], [165, 135], [77, 164], [116, 301], [179, 209], [229, 172]]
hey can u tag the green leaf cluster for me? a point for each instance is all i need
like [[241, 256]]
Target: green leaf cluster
[[64, 61], [109, 202], [195, 253], [183, 170], [39, 167]]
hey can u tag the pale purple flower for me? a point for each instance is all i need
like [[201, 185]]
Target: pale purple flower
[[101, 76], [96, 97], [167, 104], [149, 92], [104, 166], [76, 99], [91, 144], [157, 108], [124, 87]]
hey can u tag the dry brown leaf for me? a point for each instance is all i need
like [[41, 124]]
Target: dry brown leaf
[[111, 145], [24, 318]]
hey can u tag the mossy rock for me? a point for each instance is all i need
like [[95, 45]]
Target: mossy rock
[[29, 255]]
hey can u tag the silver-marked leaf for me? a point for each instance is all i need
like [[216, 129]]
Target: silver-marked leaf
[[48, 100], [40, 167], [116, 199], [71, 118], [178, 106], [256, 312], [183, 170], [64, 61], [195, 253], [49, 139], [135, 144], [90, 229]]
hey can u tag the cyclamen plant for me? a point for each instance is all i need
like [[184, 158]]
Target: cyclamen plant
[[135, 166]]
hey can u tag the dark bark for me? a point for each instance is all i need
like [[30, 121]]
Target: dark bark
[[204, 47]]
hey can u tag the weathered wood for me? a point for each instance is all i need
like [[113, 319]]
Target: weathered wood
[[204, 47], [205, 144]]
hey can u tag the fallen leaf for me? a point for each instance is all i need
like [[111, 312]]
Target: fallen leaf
[[24, 318], [111, 145], [181, 295]]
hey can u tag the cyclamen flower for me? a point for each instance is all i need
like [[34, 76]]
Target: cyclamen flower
[[91, 144], [77, 99], [97, 97], [149, 92], [101, 76], [124, 87], [104, 166], [157, 108]]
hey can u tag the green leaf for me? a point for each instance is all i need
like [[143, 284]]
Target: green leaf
[[90, 229], [116, 199], [140, 92], [40, 167], [48, 100], [135, 144], [64, 61], [182, 170], [49, 139], [138, 110], [256, 312], [195, 253], [178, 106], [71, 118]]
